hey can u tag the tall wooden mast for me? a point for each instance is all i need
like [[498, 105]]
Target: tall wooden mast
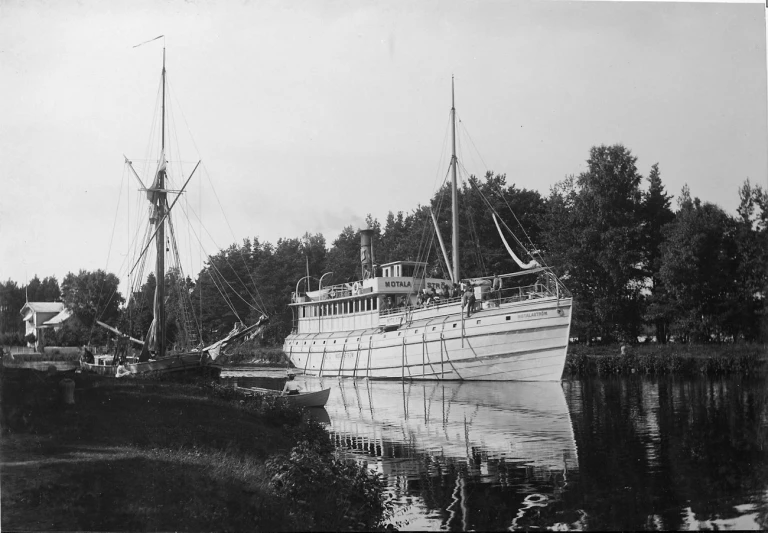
[[160, 244], [454, 193]]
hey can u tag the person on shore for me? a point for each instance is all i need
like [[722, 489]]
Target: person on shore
[[121, 371], [87, 355], [291, 387]]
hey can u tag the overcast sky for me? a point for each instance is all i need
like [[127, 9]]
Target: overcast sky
[[309, 115]]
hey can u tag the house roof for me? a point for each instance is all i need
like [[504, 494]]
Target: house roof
[[59, 319], [42, 307]]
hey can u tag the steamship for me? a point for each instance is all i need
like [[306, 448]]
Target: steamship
[[515, 328]]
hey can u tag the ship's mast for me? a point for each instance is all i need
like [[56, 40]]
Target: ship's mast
[[160, 244], [454, 192]]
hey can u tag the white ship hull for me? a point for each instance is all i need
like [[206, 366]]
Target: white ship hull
[[516, 341]]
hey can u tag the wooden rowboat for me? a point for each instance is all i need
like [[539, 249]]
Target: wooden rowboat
[[303, 399]]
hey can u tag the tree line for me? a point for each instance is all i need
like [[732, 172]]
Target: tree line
[[636, 266]]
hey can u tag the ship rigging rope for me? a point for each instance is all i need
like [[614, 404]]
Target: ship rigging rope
[[256, 308], [222, 290], [439, 208], [181, 281], [501, 195], [261, 306], [490, 206], [425, 250], [106, 266], [245, 264], [468, 213]]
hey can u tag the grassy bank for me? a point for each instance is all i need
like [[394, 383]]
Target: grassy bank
[[157, 455], [49, 354], [247, 354], [677, 359]]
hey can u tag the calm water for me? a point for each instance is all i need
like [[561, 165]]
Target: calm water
[[633, 453]]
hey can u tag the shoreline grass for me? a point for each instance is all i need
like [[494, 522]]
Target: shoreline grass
[[668, 359], [151, 454]]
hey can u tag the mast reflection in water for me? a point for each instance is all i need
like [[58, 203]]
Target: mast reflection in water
[[599, 454]]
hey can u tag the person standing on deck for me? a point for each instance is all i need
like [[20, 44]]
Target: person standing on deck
[[468, 300], [291, 387], [497, 284]]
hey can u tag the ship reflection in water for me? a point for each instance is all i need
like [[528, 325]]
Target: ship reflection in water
[[599, 454], [461, 455]]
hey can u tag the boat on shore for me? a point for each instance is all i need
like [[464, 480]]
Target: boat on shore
[[510, 327], [159, 351], [303, 399]]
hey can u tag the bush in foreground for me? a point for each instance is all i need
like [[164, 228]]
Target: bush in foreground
[[329, 493]]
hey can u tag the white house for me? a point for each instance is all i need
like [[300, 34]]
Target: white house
[[39, 316]]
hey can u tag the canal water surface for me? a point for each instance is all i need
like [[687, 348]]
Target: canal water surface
[[598, 454]]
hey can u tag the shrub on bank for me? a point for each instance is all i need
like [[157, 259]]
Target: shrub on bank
[[329, 493], [665, 360]]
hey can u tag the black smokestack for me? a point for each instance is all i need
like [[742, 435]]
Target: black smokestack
[[366, 252]]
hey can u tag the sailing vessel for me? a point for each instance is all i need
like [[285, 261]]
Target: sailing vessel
[[157, 353], [511, 327]]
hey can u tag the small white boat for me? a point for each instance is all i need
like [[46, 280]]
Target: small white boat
[[303, 399]]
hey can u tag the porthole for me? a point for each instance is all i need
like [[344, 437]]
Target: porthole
[[478, 322], [399, 334], [509, 317], [323, 342], [334, 342], [454, 325], [417, 331], [433, 328]]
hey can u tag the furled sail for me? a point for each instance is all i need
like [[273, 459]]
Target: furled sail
[[524, 266], [239, 331]]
